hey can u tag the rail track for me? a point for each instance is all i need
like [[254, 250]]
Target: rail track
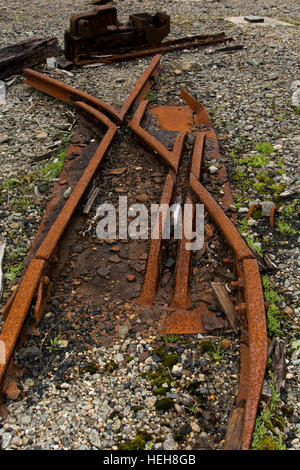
[[178, 144]]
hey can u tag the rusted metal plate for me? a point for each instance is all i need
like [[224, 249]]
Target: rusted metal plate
[[174, 118]]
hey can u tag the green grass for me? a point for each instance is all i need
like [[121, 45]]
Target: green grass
[[264, 436], [273, 313]]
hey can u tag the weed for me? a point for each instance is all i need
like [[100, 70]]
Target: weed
[[264, 437], [271, 297], [54, 344]]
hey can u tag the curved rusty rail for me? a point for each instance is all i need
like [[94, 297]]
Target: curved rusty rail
[[16, 309], [253, 345], [21, 303], [71, 95]]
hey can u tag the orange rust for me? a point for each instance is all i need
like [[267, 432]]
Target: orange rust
[[172, 158], [148, 291], [180, 296], [19, 308], [198, 153], [51, 240], [201, 115], [184, 321], [223, 222]]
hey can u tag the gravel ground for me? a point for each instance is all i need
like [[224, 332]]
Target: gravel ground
[[248, 94]]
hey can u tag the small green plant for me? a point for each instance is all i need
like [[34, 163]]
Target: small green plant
[[54, 344], [151, 96], [13, 272], [172, 339], [271, 297], [264, 436], [53, 169]]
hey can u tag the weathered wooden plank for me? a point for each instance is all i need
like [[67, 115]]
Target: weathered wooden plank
[[226, 303], [14, 58]]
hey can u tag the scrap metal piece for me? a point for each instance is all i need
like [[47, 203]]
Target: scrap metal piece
[[155, 28], [166, 46], [99, 32]]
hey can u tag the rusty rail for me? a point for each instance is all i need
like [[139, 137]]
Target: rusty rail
[[254, 343]]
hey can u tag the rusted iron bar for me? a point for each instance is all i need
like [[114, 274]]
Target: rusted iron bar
[[66, 93], [180, 296], [168, 46], [51, 240], [148, 291], [257, 344], [225, 225], [18, 311]]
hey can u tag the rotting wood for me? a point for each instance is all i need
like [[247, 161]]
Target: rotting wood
[[234, 429], [226, 303], [277, 351], [14, 58], [91, 201]]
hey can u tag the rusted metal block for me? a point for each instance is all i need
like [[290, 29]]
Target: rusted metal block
[[95, 22]]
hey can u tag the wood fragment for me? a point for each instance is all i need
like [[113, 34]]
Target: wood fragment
[[234, 429], [278, 355], [14, 58], [91, 201], [224, 300], [2, 249]]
